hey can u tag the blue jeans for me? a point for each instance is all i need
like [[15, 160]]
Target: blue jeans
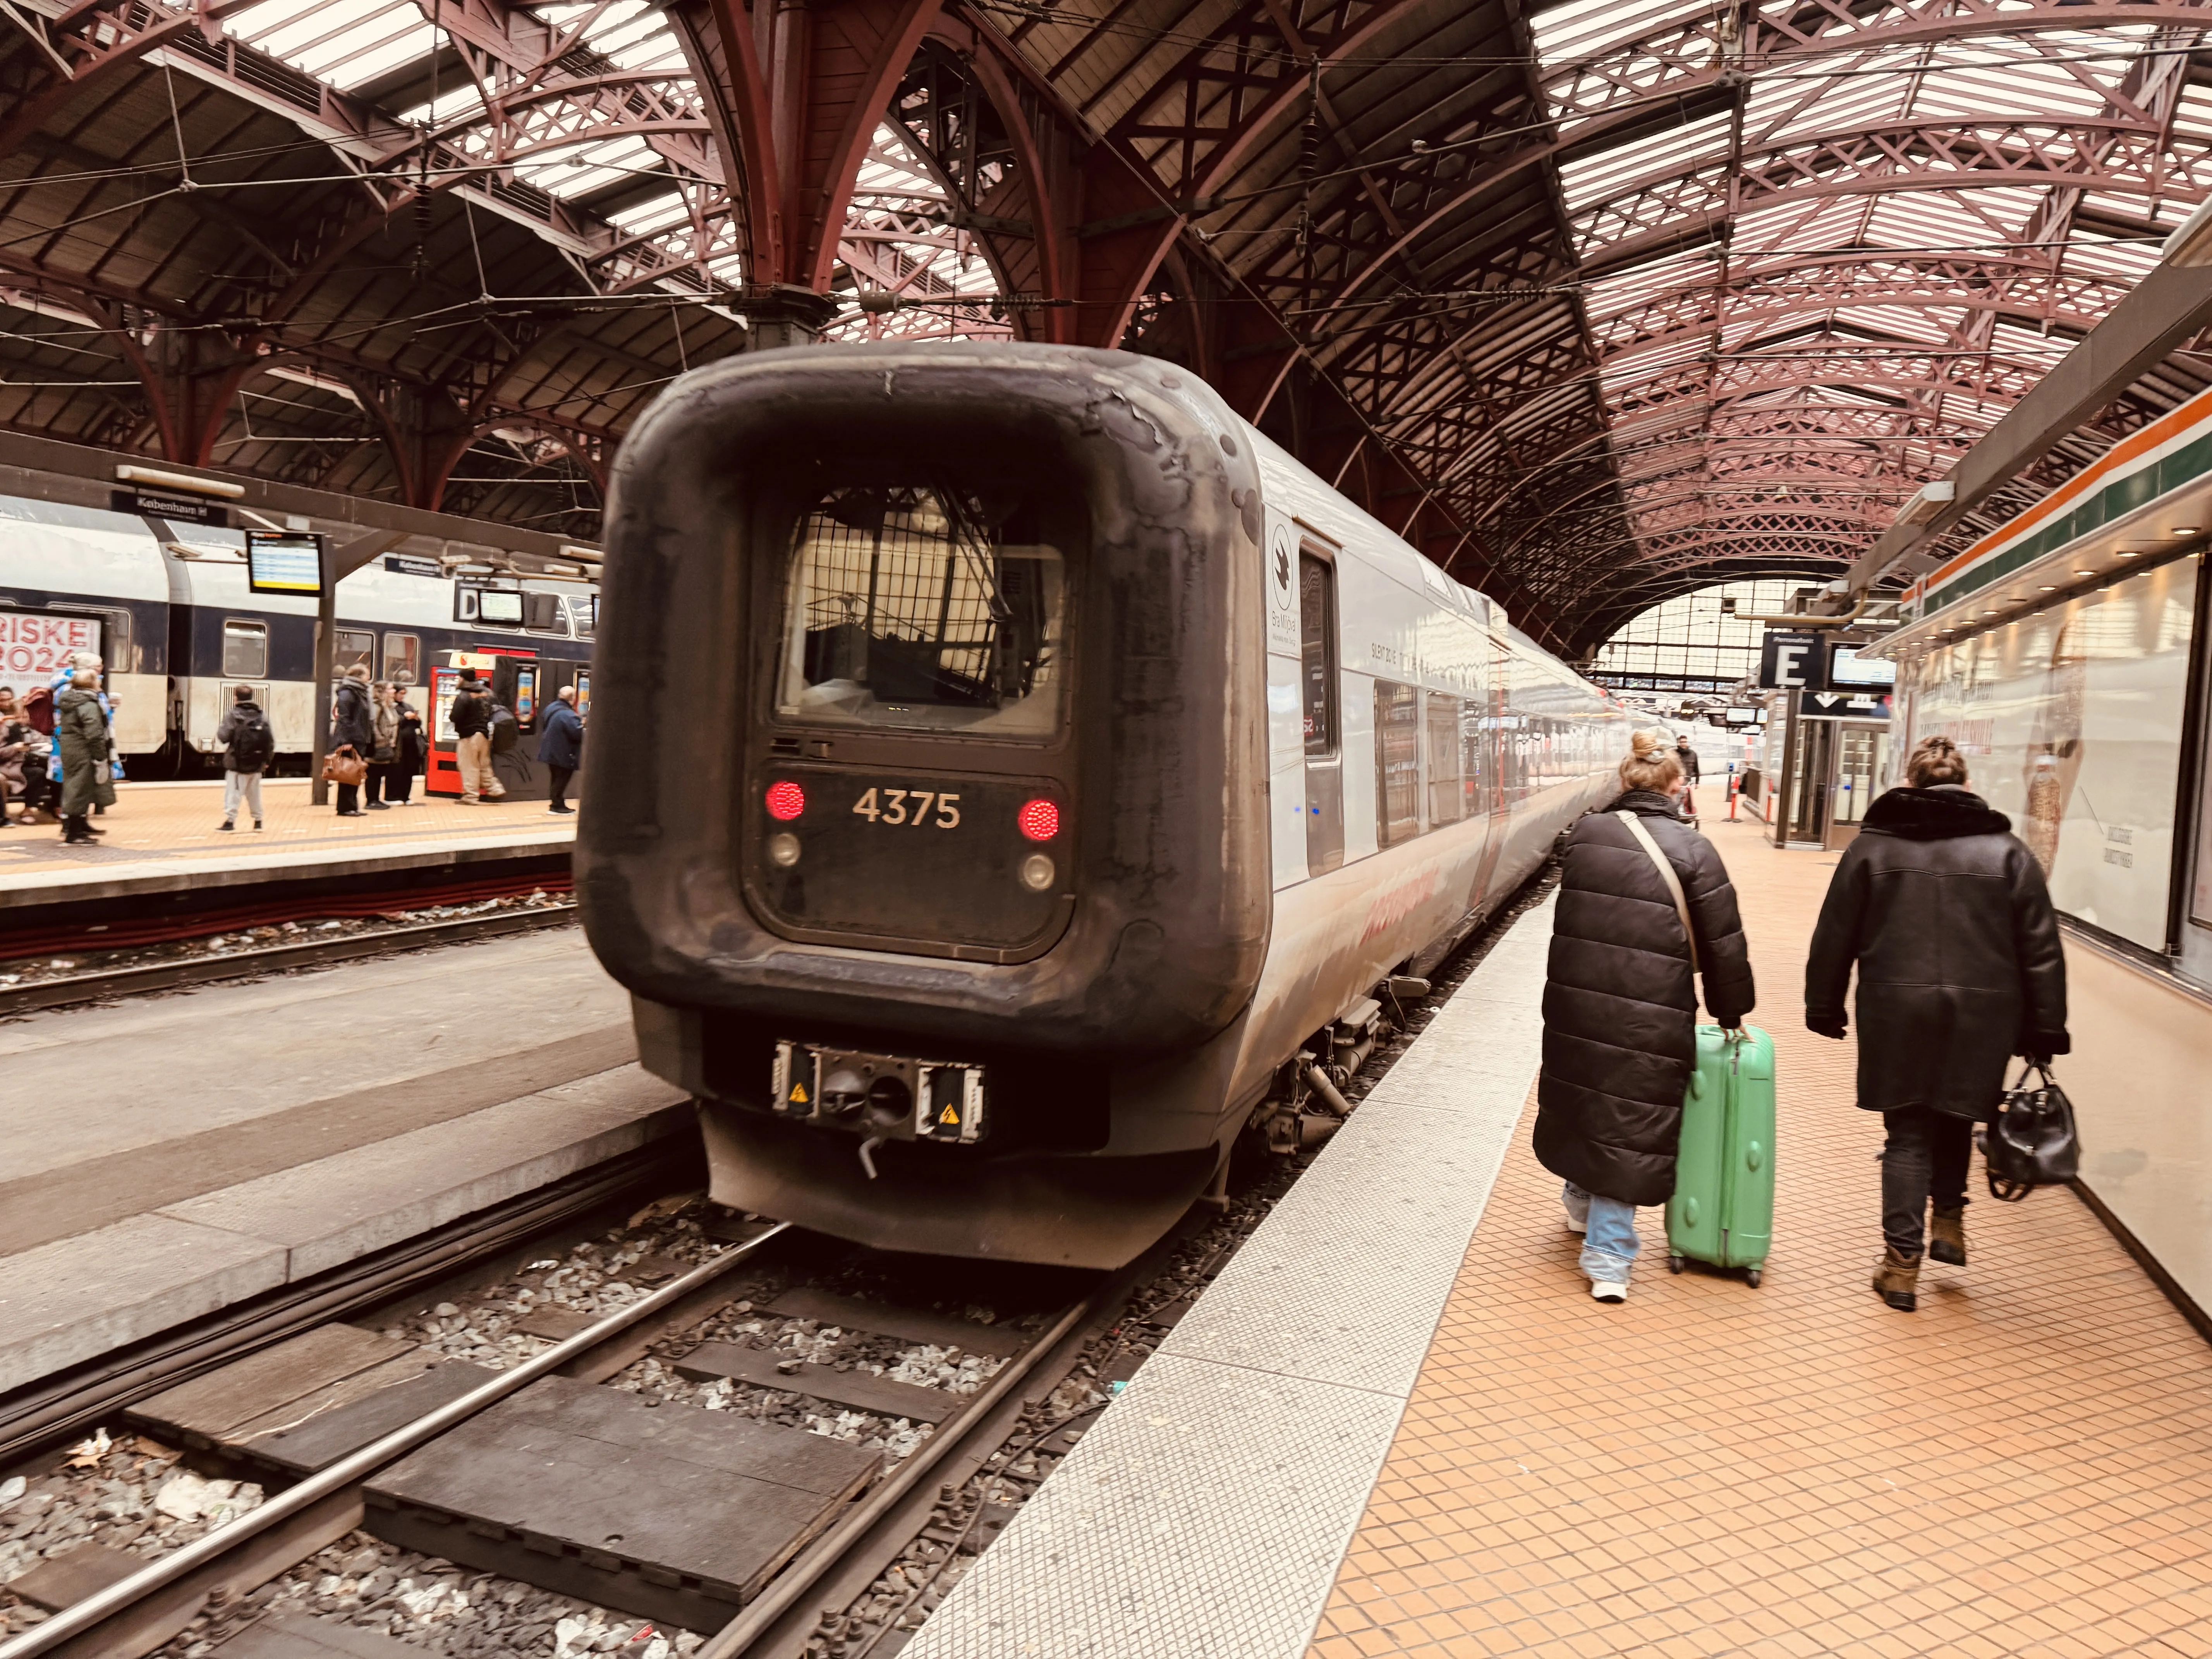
[[1610, 1245]]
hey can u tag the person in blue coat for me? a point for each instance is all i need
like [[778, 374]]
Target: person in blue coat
[[561, 749]]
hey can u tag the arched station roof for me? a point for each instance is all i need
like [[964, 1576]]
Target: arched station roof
[[1597, 303]]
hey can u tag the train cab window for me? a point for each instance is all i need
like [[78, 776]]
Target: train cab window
[[1317, 647], [1445, 785], [1397, 763], [354, 647], [930, 610], [244, 649], [403, 654]]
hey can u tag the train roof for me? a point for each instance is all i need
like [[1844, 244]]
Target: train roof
[[53, 548]]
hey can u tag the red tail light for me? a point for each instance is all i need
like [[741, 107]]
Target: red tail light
[[1040, 819], [786, 800]]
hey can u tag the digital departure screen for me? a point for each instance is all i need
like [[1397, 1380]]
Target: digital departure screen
[[500, 607], [284, 561]]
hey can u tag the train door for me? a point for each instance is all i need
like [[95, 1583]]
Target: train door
[[1321, 715]]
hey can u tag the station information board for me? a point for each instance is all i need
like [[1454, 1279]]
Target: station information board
[[284, 561]]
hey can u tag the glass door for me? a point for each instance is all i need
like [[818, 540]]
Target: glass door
[[1861, 753], [1811, 756]]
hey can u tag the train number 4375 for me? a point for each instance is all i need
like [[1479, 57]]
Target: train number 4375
[[881, 805]]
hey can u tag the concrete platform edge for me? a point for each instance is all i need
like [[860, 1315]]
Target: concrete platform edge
[[1207, 1513], [70, 1300]]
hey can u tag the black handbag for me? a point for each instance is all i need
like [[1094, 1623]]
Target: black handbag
[[2032, 1143]]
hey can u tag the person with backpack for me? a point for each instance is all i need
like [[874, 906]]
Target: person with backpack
[[1621, 1006], [472, 723], [249, 748], [1945, 913]]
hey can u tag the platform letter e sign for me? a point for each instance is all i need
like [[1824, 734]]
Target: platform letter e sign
[[1793, 662]]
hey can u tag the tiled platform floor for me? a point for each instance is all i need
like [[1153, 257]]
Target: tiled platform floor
[[164, 821], [2021, 1470]]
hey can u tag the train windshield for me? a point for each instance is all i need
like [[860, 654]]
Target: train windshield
[[925, 609]]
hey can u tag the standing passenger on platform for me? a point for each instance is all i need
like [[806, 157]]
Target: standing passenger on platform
[[352, 726], [1686, 758], [562, 747], [384, 750], [248, 748], [1945, 912], [1621, 1006], [81, 741], [471, 719], [407, 755]]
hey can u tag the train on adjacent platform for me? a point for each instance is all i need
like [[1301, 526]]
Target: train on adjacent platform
[[1025, 763], [168, 610]]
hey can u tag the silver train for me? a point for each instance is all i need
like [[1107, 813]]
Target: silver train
[[1025, 763], [168, 609]]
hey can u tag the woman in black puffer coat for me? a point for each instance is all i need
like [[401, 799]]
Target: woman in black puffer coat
[[1620, 1009], [1945, 911]]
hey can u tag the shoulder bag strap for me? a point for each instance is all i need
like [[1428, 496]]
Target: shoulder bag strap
[[1667, 874]]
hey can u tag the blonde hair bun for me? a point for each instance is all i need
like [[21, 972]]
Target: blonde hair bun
[[1651, 764]]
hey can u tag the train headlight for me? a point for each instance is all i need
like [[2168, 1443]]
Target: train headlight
[[1037, 872], [783, 850]]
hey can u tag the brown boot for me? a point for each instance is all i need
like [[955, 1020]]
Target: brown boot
[[1897, 1278], [1947, 1236]]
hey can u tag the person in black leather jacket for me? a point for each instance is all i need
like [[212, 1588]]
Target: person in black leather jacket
[[1945, 912], [1620, 1008]]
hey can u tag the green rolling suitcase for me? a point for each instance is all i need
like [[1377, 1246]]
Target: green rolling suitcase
[[1722, 1209]]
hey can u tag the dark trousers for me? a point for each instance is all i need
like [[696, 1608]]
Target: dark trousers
[[558, 788], [349, 798], [380, 779], [1926, 1156], [398, 783]]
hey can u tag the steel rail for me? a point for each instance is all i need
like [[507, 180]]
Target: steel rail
[[82, 1616], [786, 1589]]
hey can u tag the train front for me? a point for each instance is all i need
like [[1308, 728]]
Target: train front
[[925, 818]]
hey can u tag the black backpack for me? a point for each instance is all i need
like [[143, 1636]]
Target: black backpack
[[506, 731], [252, 744]]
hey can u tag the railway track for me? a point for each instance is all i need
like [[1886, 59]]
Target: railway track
[[757, 1329], [245, 961]]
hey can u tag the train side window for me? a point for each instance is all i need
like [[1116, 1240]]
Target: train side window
[[1445, 785], [584, 614], [403, 654], [541, 614], [244, 649], [1317, 648], [1397, 763], [354, 647]]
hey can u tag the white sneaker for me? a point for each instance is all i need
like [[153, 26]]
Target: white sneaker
[[1580, 1228], [1605, 1291]]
